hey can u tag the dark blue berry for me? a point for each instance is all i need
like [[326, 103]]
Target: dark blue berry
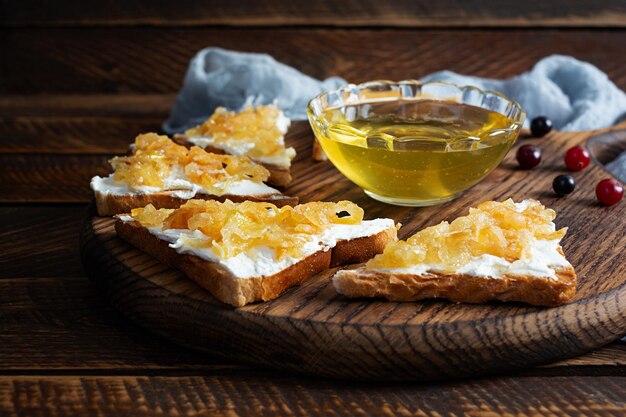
[[563, 184], [540, 126]]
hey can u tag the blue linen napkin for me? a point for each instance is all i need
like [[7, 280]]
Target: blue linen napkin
[[575, 95], [218, 77]]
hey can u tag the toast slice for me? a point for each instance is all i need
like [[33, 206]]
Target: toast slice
[[166, 175], [501, 251], [258, 133], [318, 153], [248, 252]]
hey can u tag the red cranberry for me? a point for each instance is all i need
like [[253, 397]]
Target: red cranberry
[[577, 158], [528, 156], [609, 191]]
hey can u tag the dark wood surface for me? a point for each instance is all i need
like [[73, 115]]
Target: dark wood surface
[[411, 13], [154, 59], [77, 83]]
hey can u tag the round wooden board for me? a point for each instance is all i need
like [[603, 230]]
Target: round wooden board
[[313, 330]]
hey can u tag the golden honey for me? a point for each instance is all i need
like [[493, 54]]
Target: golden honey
[[415, 152]]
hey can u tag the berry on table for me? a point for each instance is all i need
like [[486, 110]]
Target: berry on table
[[609, 191], [528, 156], [577, 158], [563, 184], [540, 126]]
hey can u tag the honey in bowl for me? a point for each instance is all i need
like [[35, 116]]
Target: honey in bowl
[[414, 152]]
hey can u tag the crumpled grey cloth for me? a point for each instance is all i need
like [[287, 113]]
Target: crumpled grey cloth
[[218, 77], [574, 94]]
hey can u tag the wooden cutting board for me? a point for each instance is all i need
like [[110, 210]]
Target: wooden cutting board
[[313, 330]]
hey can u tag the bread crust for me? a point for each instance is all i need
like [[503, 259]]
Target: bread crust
[[229, 289], [539, 291], [279, 176], [111, 204], [318, 153]]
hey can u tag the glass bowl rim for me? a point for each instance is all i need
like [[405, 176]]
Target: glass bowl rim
[[520, 114]]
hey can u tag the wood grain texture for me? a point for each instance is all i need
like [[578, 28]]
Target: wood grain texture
[[313, 330], [411, 13], [63, 326], [78, 124], [49, 178], [126, 106], [40, 241], [154, 60], [607, 147], [72, 135], [267, 395]]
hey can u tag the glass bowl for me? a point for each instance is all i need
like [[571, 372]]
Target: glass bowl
[[414, 144]]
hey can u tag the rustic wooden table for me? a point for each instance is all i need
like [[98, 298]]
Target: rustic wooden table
[[78, 82]]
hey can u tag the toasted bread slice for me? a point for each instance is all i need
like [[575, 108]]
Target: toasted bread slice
[[462, 288], [539, 275], [256, 132], [111, 204], [164, 174], [280, 176], [237, 288]]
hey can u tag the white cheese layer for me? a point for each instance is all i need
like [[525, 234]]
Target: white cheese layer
[[544, 259], [243, 147], [262, 261], [179, 186], [240, 148]]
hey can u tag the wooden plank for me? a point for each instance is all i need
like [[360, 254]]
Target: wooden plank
[[40, 241], [93, 124], [49, 178], [94, 105], [607, 356], [129, 62], [266, 395], [65, 326], [401, 13], [73, 135]]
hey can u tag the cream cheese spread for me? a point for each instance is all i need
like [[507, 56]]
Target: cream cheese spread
[[262, 261], [178, 185], [243, 147], [544, 259]]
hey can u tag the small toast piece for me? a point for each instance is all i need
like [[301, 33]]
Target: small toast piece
[[461, 288], [318, 153], [256, 132], [280, 176], [550, 281], [111, 204], [226, 286], [166, 175]]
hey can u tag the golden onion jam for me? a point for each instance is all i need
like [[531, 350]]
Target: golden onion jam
[[233, 228], [258, 126], [501, 229], [155, 156]]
